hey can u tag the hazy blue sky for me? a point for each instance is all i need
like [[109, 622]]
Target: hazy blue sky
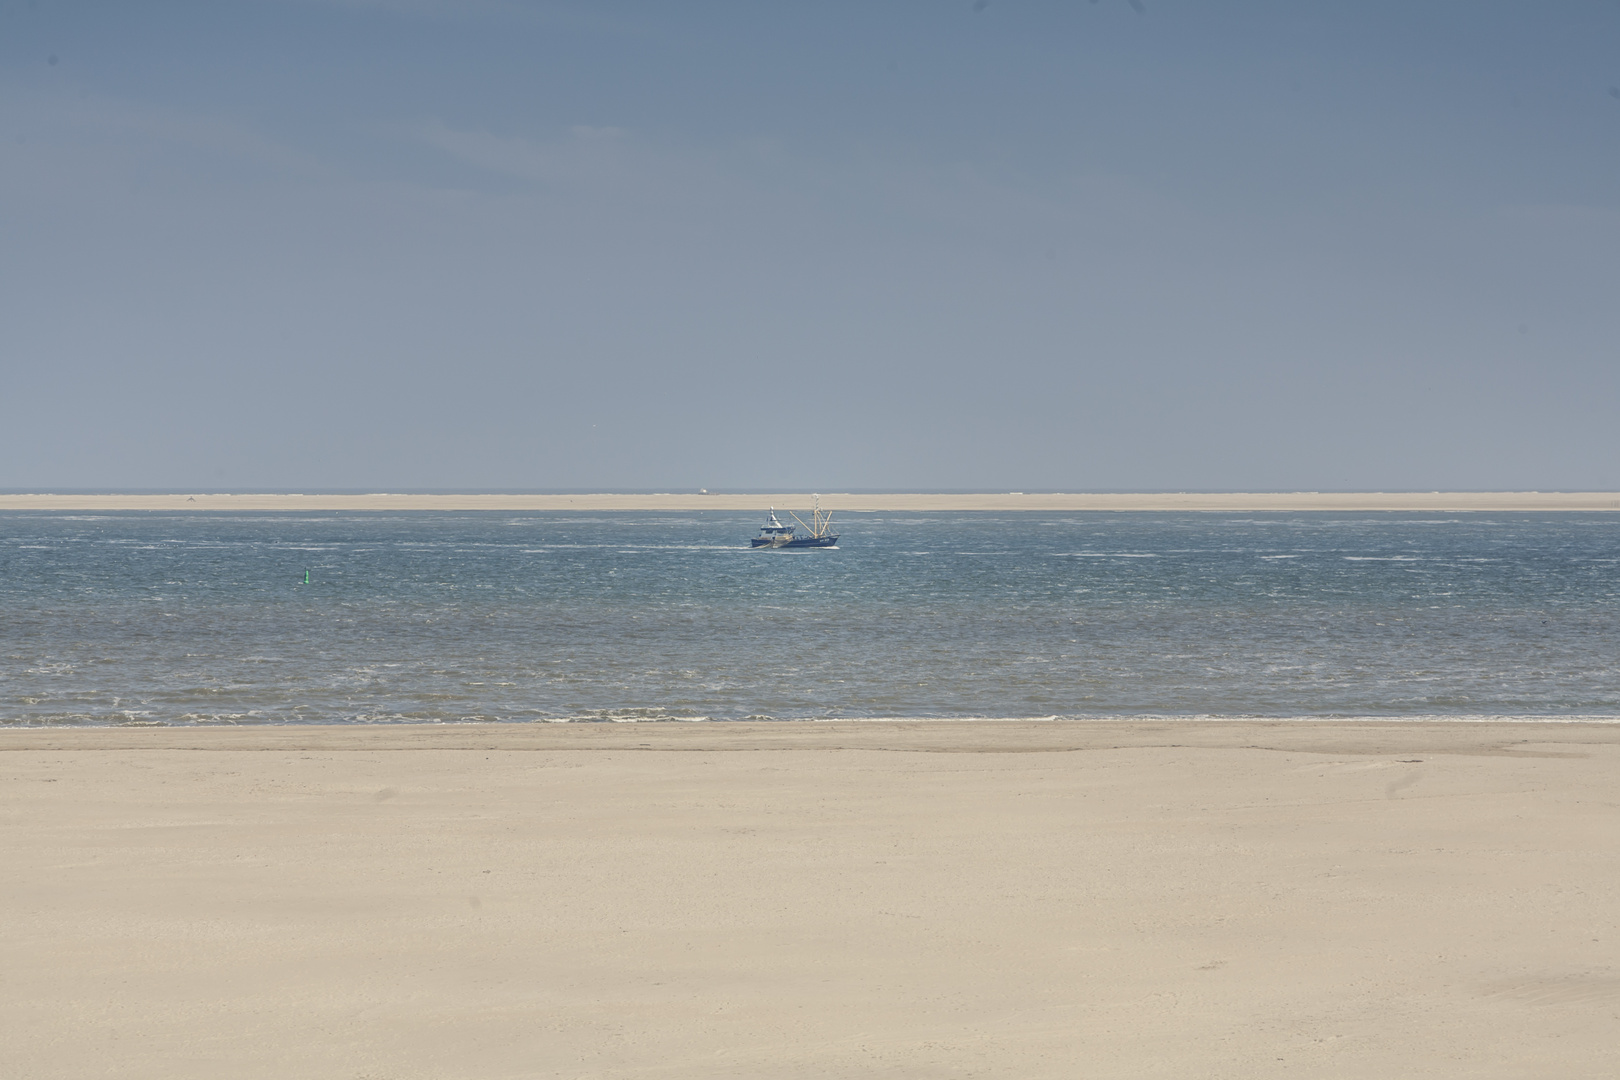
[[1012, 245]]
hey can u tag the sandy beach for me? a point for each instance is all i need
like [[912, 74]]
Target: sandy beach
[[1437, 501], [1018, 899]]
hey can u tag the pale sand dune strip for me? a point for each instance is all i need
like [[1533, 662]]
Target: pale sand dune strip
[[1498, 501], [1040, 900]]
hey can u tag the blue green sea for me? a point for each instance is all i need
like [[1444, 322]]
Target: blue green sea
[[206, 618]]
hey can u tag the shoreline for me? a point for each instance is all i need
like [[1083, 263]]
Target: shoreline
[[1230, 502], [1536, 722], [886, 734]]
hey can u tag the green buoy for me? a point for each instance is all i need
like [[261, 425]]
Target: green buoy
[[306, 577]]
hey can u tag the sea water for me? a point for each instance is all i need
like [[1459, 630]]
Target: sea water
[[204, 618]]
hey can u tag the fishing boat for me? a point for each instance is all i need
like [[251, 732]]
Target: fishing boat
[[774, 534]]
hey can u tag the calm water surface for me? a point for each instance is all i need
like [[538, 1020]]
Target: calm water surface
[[204, 618]]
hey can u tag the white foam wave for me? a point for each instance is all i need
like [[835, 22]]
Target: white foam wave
[[1104, 555]]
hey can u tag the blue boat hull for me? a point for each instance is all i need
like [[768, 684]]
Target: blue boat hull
[[797, 542]]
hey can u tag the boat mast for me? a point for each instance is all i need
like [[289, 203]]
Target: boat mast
[[822, 521]]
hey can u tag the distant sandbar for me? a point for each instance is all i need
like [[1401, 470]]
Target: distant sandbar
[[1435, 501]]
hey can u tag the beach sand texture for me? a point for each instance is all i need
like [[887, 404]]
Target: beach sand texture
[[1437, 501], [1009, 899]]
